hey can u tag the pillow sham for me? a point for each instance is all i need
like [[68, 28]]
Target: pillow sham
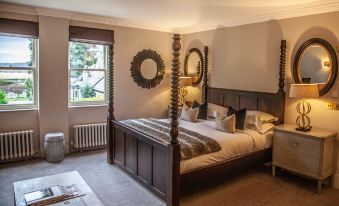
[[265, 128], [213, 109], [189, 114], [265, 117], [240, 116], [225, 123]]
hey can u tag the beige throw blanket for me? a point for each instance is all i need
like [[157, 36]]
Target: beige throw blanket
[[192, 144]]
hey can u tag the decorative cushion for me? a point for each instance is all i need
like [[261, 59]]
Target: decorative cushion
[[225, 123], [240, 116], [195, 104], [213, 109], [189, 114]]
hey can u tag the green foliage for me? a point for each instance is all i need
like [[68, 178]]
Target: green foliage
[[29, 88], [3, 99], [30, 46], [87, 92], [4, 82], [82, 55]]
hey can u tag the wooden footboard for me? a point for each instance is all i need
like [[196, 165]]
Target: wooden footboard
[[141, 156]]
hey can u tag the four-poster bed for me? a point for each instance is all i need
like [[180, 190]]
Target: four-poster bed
[[156, 164]]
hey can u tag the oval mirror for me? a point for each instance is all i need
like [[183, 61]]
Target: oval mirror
[[148, 69], [316, 63], [194, 65]]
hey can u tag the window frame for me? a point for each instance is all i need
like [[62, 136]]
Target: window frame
[[87, 103], [35, 70]]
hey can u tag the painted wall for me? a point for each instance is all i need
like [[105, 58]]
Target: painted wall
[[131, 101], [247, 57]]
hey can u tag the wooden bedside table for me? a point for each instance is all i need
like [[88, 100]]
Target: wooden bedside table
[[307, 153]]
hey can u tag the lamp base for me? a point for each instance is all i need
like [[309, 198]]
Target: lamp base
[[304, 129]]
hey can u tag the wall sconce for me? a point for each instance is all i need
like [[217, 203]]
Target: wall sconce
[[184, 82], [327, 64]]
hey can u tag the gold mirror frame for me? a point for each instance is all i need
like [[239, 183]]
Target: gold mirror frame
[[195, 81], [333, 61]]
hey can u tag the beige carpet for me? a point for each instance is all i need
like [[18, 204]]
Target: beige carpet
[[252, 188]]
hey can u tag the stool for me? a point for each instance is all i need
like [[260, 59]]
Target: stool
[[54, 146]]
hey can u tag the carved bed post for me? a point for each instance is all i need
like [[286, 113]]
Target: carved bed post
[[205, 83], [173, 186], [282, 65], [281, 91], [203, 108], [110, 113]]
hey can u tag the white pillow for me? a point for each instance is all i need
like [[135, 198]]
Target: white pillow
[[266, 127], [189, 114], [265, 117], [213, 109], [225, 123], [253, 121], [258, 120]]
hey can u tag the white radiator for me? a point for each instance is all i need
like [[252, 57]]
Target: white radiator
[[89, 135], [15, 145]]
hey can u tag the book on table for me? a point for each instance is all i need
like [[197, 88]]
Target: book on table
[[52, 194]]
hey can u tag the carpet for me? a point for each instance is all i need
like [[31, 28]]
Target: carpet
[[113, 187]]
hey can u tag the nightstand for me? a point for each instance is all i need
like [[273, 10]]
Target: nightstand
[[307, 153]]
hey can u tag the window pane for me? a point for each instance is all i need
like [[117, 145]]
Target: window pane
[[16, 52], [87, 56], [16, 87], [87, 86]]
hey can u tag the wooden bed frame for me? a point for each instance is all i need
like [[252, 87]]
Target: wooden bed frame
[[157, 165]]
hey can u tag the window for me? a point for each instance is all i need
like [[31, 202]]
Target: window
[[18, 73], [87, 73]]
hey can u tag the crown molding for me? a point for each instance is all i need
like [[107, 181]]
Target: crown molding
[[76, 16], [312, 9]]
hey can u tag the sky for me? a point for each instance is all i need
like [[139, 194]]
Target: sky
[[14, 49]]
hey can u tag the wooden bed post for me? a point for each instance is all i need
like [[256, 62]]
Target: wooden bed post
[[282, 66], [173, 186], [205, 83], [281, 91], [110, 114]]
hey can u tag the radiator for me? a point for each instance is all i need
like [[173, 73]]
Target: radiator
[[14, 145], [89, 135]]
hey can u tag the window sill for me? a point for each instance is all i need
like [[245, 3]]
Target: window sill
[[18, 109], [87, 105]]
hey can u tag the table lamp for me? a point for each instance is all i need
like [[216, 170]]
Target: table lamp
[[303, 107], [184, 82]]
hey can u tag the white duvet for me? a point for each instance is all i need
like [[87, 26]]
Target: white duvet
[[233, 145]]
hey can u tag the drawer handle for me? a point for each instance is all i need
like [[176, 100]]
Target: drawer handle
[[296, 144]]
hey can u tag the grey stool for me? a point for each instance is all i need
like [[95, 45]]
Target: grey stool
[[54, 146]]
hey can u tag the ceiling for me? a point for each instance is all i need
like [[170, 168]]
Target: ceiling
[[182, 16]]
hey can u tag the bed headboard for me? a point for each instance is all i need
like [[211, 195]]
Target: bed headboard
[[272, 103]]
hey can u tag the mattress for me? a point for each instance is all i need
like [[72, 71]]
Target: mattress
[[233, 145]]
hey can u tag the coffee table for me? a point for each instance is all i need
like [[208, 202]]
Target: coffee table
[[68, 178]]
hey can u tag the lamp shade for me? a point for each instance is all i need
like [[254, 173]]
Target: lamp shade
[[185, 81], [304, 90]]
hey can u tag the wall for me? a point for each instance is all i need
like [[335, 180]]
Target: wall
[[131, 101], [247, 57]]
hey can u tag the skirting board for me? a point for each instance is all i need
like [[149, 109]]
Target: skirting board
[[336, 181]]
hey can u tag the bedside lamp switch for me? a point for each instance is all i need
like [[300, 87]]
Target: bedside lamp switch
[[334, 94]]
